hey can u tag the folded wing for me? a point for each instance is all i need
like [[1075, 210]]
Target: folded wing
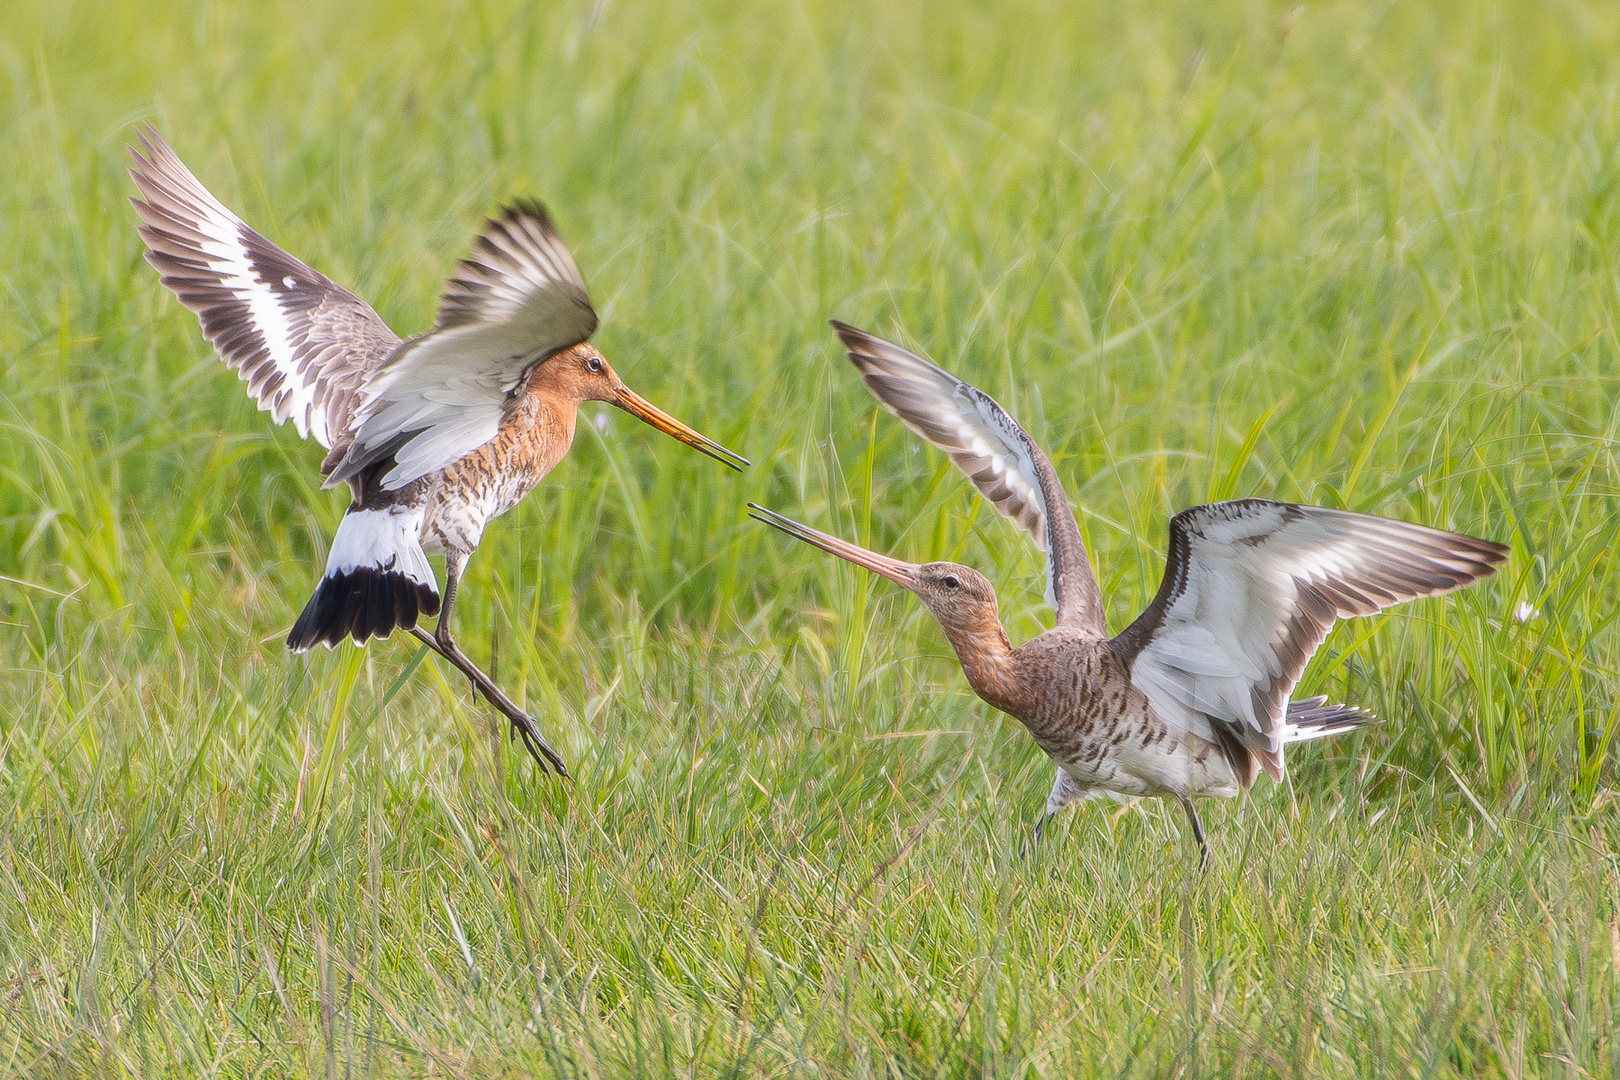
[[302, 344], [515, 300], [997, 455], [1249, 593]]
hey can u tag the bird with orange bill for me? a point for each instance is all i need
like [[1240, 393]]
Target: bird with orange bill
[[435, 435]]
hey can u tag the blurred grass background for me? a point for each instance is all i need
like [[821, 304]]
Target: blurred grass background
[[1353, 254]]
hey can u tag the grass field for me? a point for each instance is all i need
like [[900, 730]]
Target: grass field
[[1355, 254]]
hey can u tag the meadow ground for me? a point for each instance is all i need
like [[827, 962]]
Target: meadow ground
[[1354, 254]]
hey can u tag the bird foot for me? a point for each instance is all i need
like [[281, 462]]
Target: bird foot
[[522, 723], [523, 726]]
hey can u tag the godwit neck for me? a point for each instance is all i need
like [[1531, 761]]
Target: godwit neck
[[963, 602], [980, 643]]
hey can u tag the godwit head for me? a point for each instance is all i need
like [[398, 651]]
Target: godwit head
[[581, 374], [961, 599]]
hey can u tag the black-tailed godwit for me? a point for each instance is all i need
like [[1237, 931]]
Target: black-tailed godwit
[[1191, 699], [436, 435]]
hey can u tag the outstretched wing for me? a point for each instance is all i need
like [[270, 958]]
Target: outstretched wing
[[997, 455], [302, 343], [515, 300], [1249, 593]]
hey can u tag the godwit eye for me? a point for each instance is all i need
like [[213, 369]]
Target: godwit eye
[[950, 582], [593, 364]]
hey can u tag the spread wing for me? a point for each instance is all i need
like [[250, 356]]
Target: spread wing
[[302, 343], [515, 300], [1249, 593], [997, 455]]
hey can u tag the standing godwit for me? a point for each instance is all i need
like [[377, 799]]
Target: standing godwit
[[437, 435], [1192, 698]]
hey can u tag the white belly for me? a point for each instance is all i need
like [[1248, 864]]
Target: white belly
[[1189, 766]]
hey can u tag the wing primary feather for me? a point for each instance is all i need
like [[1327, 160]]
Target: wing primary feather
[[996, 455], [302, 343]]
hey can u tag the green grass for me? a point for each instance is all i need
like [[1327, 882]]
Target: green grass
[[1353, 254]]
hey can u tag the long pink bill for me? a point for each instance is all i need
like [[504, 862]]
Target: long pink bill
[[901, 573]]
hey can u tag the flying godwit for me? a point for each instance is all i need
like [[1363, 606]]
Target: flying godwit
[[436, 435], [1192, 698]]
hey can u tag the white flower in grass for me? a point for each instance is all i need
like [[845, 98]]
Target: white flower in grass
[[1525, 612]]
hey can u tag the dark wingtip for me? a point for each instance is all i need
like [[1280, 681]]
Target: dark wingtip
[[526, 207], [363, 603], [145, 132], [151, 149], [143, 162], [528, 204], [851, 336], [863, 350], [1487, 557]]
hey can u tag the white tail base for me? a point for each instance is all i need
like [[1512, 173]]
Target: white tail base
[[386, 539]]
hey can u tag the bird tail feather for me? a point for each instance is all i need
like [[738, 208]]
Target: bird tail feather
[[377, 579], [1314, 718]]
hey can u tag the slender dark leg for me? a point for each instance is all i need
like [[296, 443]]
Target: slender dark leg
[[441, 642], [1198, 831], [1064, 791], [1040, 830]]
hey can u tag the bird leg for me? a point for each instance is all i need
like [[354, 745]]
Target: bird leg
[[1198, 831], [1040, 830], [1065, 790], [441, 642]]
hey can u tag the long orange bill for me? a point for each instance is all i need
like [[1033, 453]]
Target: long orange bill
[[901, 573], [642, 409]]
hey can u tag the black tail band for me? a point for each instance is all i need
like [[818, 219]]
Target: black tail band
[[362, 603]]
